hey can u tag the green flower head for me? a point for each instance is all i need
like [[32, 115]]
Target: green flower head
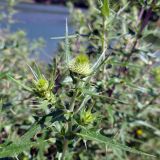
[[87, 117], [80, 65], [41, 85], [44, 90]]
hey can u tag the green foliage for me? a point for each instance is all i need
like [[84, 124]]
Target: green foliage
[[15, 149], [107, 97], [24, 142], [96, 136]]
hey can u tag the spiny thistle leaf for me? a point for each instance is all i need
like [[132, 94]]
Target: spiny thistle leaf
[[96, 136], [33, 72], [21, 144], [24, 143], [15, 149], [98, 62], [38, 72], [28, 135]]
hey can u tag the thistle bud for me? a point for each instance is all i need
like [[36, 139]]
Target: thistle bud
[[44, 90], [41, 85], [87, 117], [80, 65]]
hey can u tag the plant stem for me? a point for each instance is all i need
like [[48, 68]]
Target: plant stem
[[65, 147], [104, 46], [74, 97], [83, 103], [73, 102]]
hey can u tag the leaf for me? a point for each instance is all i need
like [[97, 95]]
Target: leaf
[[138, 88], [52, 117], [38, 72], [96, 136], [21, 144], [105, 8], [98, 62], [20, 83], [33, 72], [15, 149], [94, 94], [24, 142], [28, 135]]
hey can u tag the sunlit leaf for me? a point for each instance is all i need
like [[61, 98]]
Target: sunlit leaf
[[96, 136], [24, 142]]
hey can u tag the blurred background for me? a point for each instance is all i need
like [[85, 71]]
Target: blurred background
[[39, 19]]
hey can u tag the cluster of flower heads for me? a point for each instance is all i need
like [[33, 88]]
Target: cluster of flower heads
[[78, 66]]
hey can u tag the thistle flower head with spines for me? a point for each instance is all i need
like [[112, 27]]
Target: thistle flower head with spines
[[80, 65], [41, 84], [43, 88]]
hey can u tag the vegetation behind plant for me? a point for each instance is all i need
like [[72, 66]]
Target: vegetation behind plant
[[99, 99]]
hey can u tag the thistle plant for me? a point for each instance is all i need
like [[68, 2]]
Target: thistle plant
[[91, 103]]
